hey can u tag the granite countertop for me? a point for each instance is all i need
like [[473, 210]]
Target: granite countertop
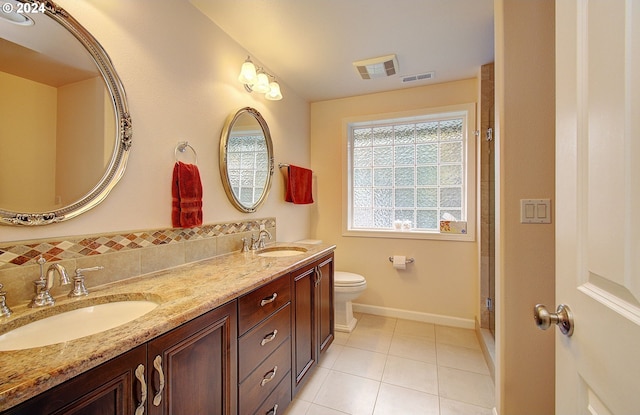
[[183, 293]]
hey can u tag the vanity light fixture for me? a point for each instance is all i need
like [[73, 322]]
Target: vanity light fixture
[[257, 79]]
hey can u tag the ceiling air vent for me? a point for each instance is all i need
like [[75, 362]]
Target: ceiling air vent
[[377, 67], [418, 77]]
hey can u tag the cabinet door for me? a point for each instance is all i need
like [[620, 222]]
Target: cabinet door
[[193, 369], [324, 303], [303, 330], [109, 389]]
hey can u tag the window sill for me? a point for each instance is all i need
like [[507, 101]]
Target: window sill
[[438, 236]]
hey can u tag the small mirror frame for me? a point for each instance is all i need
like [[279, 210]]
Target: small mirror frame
[[118, 162], [224, 174]]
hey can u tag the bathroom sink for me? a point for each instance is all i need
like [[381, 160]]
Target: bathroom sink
[[74, 324], [281, 251]]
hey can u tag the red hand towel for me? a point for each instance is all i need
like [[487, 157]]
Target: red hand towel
[[186, 192], [299, 185]]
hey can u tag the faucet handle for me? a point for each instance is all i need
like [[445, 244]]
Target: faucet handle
[[79, 289], [4, 310]]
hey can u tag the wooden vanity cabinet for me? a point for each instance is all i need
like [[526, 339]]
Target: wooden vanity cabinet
[[313, 325], [192, 369], [109, 389], [264, 349], [199, 373]]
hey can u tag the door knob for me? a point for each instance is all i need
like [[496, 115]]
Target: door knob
[[563, 318]]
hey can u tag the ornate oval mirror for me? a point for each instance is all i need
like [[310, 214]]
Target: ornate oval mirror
[[246, 159], [65, 130]]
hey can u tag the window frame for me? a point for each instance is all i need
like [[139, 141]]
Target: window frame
[[468, 112]]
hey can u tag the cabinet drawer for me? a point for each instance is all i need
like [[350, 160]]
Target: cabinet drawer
[[278, 401], [262, 340], [259, 304], [262, 381]]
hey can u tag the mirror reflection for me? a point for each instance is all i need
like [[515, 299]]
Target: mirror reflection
[[246, 159], [54, 104], [64, 130]]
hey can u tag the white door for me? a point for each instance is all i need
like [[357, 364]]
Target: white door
[[598, 205]]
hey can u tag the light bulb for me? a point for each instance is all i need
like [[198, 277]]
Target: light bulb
[[247, 73], [262, 83], [274, 93]]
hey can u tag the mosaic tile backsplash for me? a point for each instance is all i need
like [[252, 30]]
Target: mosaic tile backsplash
[[123, 254]]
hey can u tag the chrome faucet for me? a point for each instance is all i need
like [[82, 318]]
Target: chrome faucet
[[79, 289], [44, 284], [258, 243], [4, 310]]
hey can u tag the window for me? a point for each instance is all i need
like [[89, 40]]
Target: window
[[408, 173]]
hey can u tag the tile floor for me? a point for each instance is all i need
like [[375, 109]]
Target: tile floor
[[399, 367]]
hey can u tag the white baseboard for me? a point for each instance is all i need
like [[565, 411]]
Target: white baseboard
[[414, 315]]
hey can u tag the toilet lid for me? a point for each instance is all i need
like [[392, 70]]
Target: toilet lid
[[343, 278]]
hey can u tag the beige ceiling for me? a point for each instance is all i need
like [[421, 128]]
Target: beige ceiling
[[310, 45]]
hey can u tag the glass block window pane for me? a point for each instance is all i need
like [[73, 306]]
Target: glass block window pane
[[383, 156], [362, 177], [383, 218], [404, 176], [246, 154], [383, 198], [407, 170]]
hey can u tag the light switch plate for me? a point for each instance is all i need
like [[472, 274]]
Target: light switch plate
[[535, 210]]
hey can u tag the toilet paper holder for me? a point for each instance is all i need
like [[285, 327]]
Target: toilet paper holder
[[408, 261]]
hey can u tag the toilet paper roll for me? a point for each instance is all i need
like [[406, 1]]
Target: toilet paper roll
[[400, 262]]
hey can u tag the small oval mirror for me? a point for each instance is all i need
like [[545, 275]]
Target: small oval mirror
[[246, 159]]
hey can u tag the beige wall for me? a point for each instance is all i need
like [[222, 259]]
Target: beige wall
[[181, 85], [443, 281], [525, 121]]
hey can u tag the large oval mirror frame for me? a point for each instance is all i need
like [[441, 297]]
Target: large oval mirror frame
[[246, 159], [115, 156]]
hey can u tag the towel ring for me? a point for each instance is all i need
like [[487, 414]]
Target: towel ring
[[182, 147]]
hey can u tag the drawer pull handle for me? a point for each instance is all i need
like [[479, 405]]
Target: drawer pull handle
[[269, 337], [273, 411], [157, 363], [143, 388], [268, 300], [271, 374]]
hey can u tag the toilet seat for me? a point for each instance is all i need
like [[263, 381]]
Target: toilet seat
[[347, 279]]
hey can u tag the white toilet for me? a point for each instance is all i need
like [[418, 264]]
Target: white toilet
[[347, 286]]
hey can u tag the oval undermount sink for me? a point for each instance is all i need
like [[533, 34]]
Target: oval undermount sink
[[74, 324], [281, 251]]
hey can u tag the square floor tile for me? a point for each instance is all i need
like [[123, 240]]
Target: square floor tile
[[463, 386], [416, 328], [394, 400], [361, 362], [463, 358], [371, 339], [352, 394], [412, 347], [411, 374]]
